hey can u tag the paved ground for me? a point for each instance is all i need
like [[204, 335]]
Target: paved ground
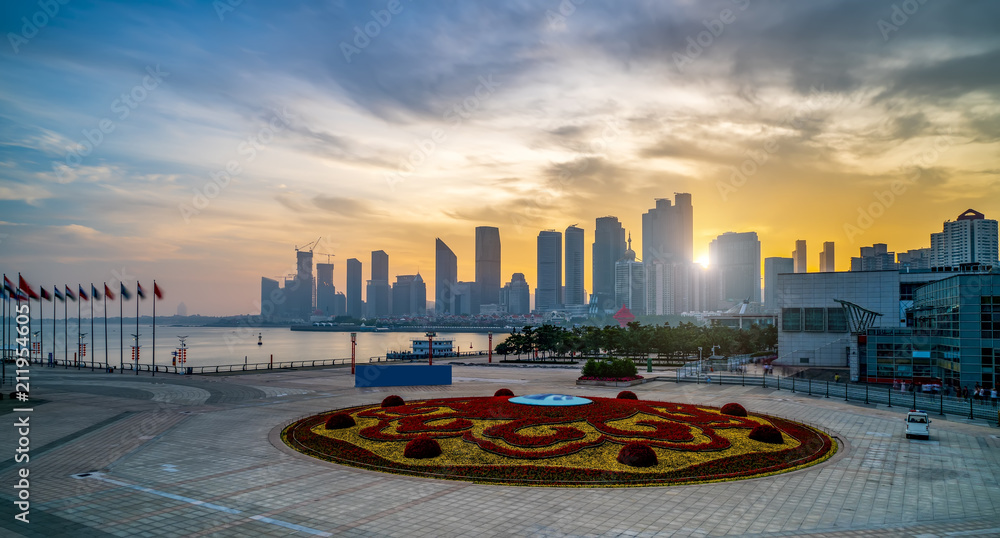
[[196, 456]]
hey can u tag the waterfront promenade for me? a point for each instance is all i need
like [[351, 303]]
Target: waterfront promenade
[[127, 455]]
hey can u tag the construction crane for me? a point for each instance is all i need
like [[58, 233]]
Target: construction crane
[[327, 254], [310, 246]]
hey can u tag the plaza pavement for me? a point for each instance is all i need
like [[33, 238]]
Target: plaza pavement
[[200, 456]]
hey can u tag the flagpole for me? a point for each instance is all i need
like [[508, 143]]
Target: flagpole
[[66, 331], [92, 348], [137, 297], [121, 329], [154, 328], [78, 330], [107, 362], [54, 329]]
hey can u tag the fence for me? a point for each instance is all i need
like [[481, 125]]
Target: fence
[[858, 392]]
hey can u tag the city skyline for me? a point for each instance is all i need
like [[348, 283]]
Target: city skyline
[[211, 158]]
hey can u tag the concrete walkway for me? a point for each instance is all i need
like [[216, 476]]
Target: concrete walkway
[[126, 455]]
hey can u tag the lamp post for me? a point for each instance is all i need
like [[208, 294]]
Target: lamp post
[[354, 344], [699, 364], [430, 347], [490, 352]]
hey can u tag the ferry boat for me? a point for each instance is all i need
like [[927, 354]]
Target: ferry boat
[[442, 348]]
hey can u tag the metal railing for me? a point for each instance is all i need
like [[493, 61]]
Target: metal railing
[[857, 392]]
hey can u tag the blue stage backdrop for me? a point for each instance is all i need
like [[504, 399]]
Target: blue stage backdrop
[[402, 375]]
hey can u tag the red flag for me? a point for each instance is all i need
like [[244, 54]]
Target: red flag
[[45, 294], [139, 291], [23, 284], [82, 293], [108, 293], [156, 291], [9, 286]]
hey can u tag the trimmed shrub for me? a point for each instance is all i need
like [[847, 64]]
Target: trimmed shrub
[[734, 410], [392, 401], [613, 367], [627, 395], [503, 392], [766, 433], [339, 421], [637, 455], [422, 448]]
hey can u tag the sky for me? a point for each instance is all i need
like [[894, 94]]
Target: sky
[[198, 143]]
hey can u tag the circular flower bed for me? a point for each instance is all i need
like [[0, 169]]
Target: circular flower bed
[[503, 392], [627, 395], [492, 440], [339, 421], [422, 448], [637, 455], [392, 401], [766, 433], [734, 410]]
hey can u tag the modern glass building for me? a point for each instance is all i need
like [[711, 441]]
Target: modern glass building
[[953, 338]]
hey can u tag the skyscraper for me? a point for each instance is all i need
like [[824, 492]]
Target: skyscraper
[[877, 257], [488, 264], [799, 256], [409, 295], [300, 292], [548, 294], [972, 238], [609, 247], [354, 303], [271, 299], [516, 295], [377, 293], [445, 276], [630, 282], [772, 268], [325, 290], [668, 231], [827, 263], [735, 257], [574, 294]]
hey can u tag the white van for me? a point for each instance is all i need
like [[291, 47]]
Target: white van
[[918, 424]]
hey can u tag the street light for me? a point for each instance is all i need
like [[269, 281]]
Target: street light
[[699, 362]]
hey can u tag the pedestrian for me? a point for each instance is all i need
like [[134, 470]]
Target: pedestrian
[[836, 378], [965, 392]]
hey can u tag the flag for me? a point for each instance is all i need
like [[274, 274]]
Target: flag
[[45, 294], [139, 292], [69, 294], [23, 284], [82, 293], [8, 286], [125, 293], [94, 293], [156, 290], [21, 296], [58, 295], [108, 293]]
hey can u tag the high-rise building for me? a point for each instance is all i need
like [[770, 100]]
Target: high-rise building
[[548, 293], [516, 295], [661, 285], [339, 304], [574, 294], [827, 262], [972, 238], [735, 258], [300, 290], [799, 256], [915, 259], [271, 298], [355, 305], [488, 263], [772, 268], [668, 231], [409, 295], [630, 282], [609, 247], [465, 299], [445, 276], [378, 291], [325, 290], [877, 257]]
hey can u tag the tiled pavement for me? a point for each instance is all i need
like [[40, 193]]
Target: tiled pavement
[[197, 456]]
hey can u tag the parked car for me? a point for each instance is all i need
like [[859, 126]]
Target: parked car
[[917, 424]]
